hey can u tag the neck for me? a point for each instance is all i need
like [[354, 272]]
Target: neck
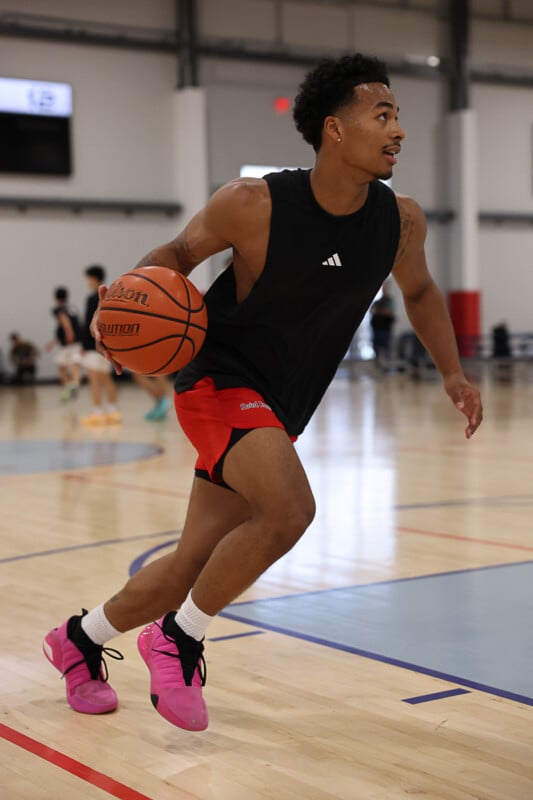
[[335, 189]]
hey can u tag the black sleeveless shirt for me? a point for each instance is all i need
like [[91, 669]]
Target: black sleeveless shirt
[[321, 273]]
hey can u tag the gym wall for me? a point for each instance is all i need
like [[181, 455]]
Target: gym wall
[[124, 138]]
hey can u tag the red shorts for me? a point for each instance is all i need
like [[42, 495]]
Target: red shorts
[[214, 419]]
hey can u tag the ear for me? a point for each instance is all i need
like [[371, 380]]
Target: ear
[[333, 129]]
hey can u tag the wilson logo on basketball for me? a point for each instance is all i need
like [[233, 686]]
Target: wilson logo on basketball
[[119, 329], [117, 291]]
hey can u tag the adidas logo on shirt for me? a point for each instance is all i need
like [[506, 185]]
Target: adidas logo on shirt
[[332, 261]]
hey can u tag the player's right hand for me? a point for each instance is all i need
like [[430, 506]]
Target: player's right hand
[[97, 336]]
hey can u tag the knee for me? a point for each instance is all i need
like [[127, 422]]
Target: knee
[[287, 523]]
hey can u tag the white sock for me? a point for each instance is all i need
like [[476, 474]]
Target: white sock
[[98, 410], [97, 626], [192, 620], [111, 408]]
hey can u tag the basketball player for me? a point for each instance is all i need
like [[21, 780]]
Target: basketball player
[[98, 368], [67, 336], [158, 387], [310, 251]]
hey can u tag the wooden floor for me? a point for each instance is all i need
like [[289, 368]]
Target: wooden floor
[[400, 493]]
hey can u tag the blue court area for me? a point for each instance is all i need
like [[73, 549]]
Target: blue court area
[[40, 455], [471, 627]]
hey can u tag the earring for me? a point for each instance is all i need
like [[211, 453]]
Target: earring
[[339, 139]]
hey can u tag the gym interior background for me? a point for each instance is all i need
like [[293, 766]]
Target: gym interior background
[[171, 99]]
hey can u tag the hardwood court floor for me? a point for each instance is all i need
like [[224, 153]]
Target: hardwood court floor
[[400, 494]]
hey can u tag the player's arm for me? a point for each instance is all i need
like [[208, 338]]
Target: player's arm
[[219, 225], [428, 314], [229, 217]]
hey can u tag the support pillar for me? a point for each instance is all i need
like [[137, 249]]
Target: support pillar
[[190, 162]]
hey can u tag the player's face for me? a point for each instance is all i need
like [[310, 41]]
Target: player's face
[[371, 135]]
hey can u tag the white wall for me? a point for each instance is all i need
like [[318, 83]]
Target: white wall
[[122, 132], [124, 136]]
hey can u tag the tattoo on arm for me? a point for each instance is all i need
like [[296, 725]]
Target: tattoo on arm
[[176, 255], [406, 232], [186, 259]]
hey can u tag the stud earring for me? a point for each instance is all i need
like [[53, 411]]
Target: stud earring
[[339, 139]]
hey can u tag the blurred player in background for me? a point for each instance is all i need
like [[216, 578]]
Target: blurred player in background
[[99, 370], [159, 388], [68, 337]]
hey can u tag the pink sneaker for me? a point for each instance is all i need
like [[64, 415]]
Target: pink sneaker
[[82, 666], [177, 670]]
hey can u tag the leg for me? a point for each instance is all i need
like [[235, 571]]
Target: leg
[[96, 389], [263, 468], [75, 371], [63, 374], [162, 585], [97, 416], [146, 383], [158, 388], [110, 388]]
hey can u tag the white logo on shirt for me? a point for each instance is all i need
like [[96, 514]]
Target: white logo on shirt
[[332, 261]]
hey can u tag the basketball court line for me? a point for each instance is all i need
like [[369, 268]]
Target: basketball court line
[[239, 615], [394, 662], [509, 499], [456, 450], [138, 562], [86, 546], [458, 538], [235, 636], [68, 764], [381, 583], [121, 485], [428, 698], [37, 456]]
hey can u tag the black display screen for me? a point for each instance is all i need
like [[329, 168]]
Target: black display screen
[[35, 144]]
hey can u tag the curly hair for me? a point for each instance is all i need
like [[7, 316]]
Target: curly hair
[[328, 87]]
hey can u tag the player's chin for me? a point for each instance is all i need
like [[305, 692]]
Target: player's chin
[[385, 175]]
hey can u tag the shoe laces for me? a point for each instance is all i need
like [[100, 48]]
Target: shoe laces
[[95, 662], [190, 654]]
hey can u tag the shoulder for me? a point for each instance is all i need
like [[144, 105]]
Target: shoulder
[[410, 211], [412, 225], [241, 203], [241, 193]]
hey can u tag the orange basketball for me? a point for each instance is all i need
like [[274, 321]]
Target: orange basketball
[[153, 320]]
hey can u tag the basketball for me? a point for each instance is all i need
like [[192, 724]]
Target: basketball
[[153, 321]]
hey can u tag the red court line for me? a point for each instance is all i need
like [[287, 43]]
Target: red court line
[[457, 450], [75, 768], [120, 485], [473, 539]]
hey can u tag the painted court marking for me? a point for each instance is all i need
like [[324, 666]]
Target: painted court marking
[[458, 538], [427, 698], [235, 636], [76, 768], [88, 546], [394, 662], [135, 487]]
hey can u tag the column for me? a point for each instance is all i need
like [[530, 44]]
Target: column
[[190, 162]]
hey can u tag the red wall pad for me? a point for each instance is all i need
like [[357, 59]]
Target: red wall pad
[[465, 313]]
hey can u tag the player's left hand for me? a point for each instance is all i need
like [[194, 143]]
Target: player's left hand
[[467, 400]]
